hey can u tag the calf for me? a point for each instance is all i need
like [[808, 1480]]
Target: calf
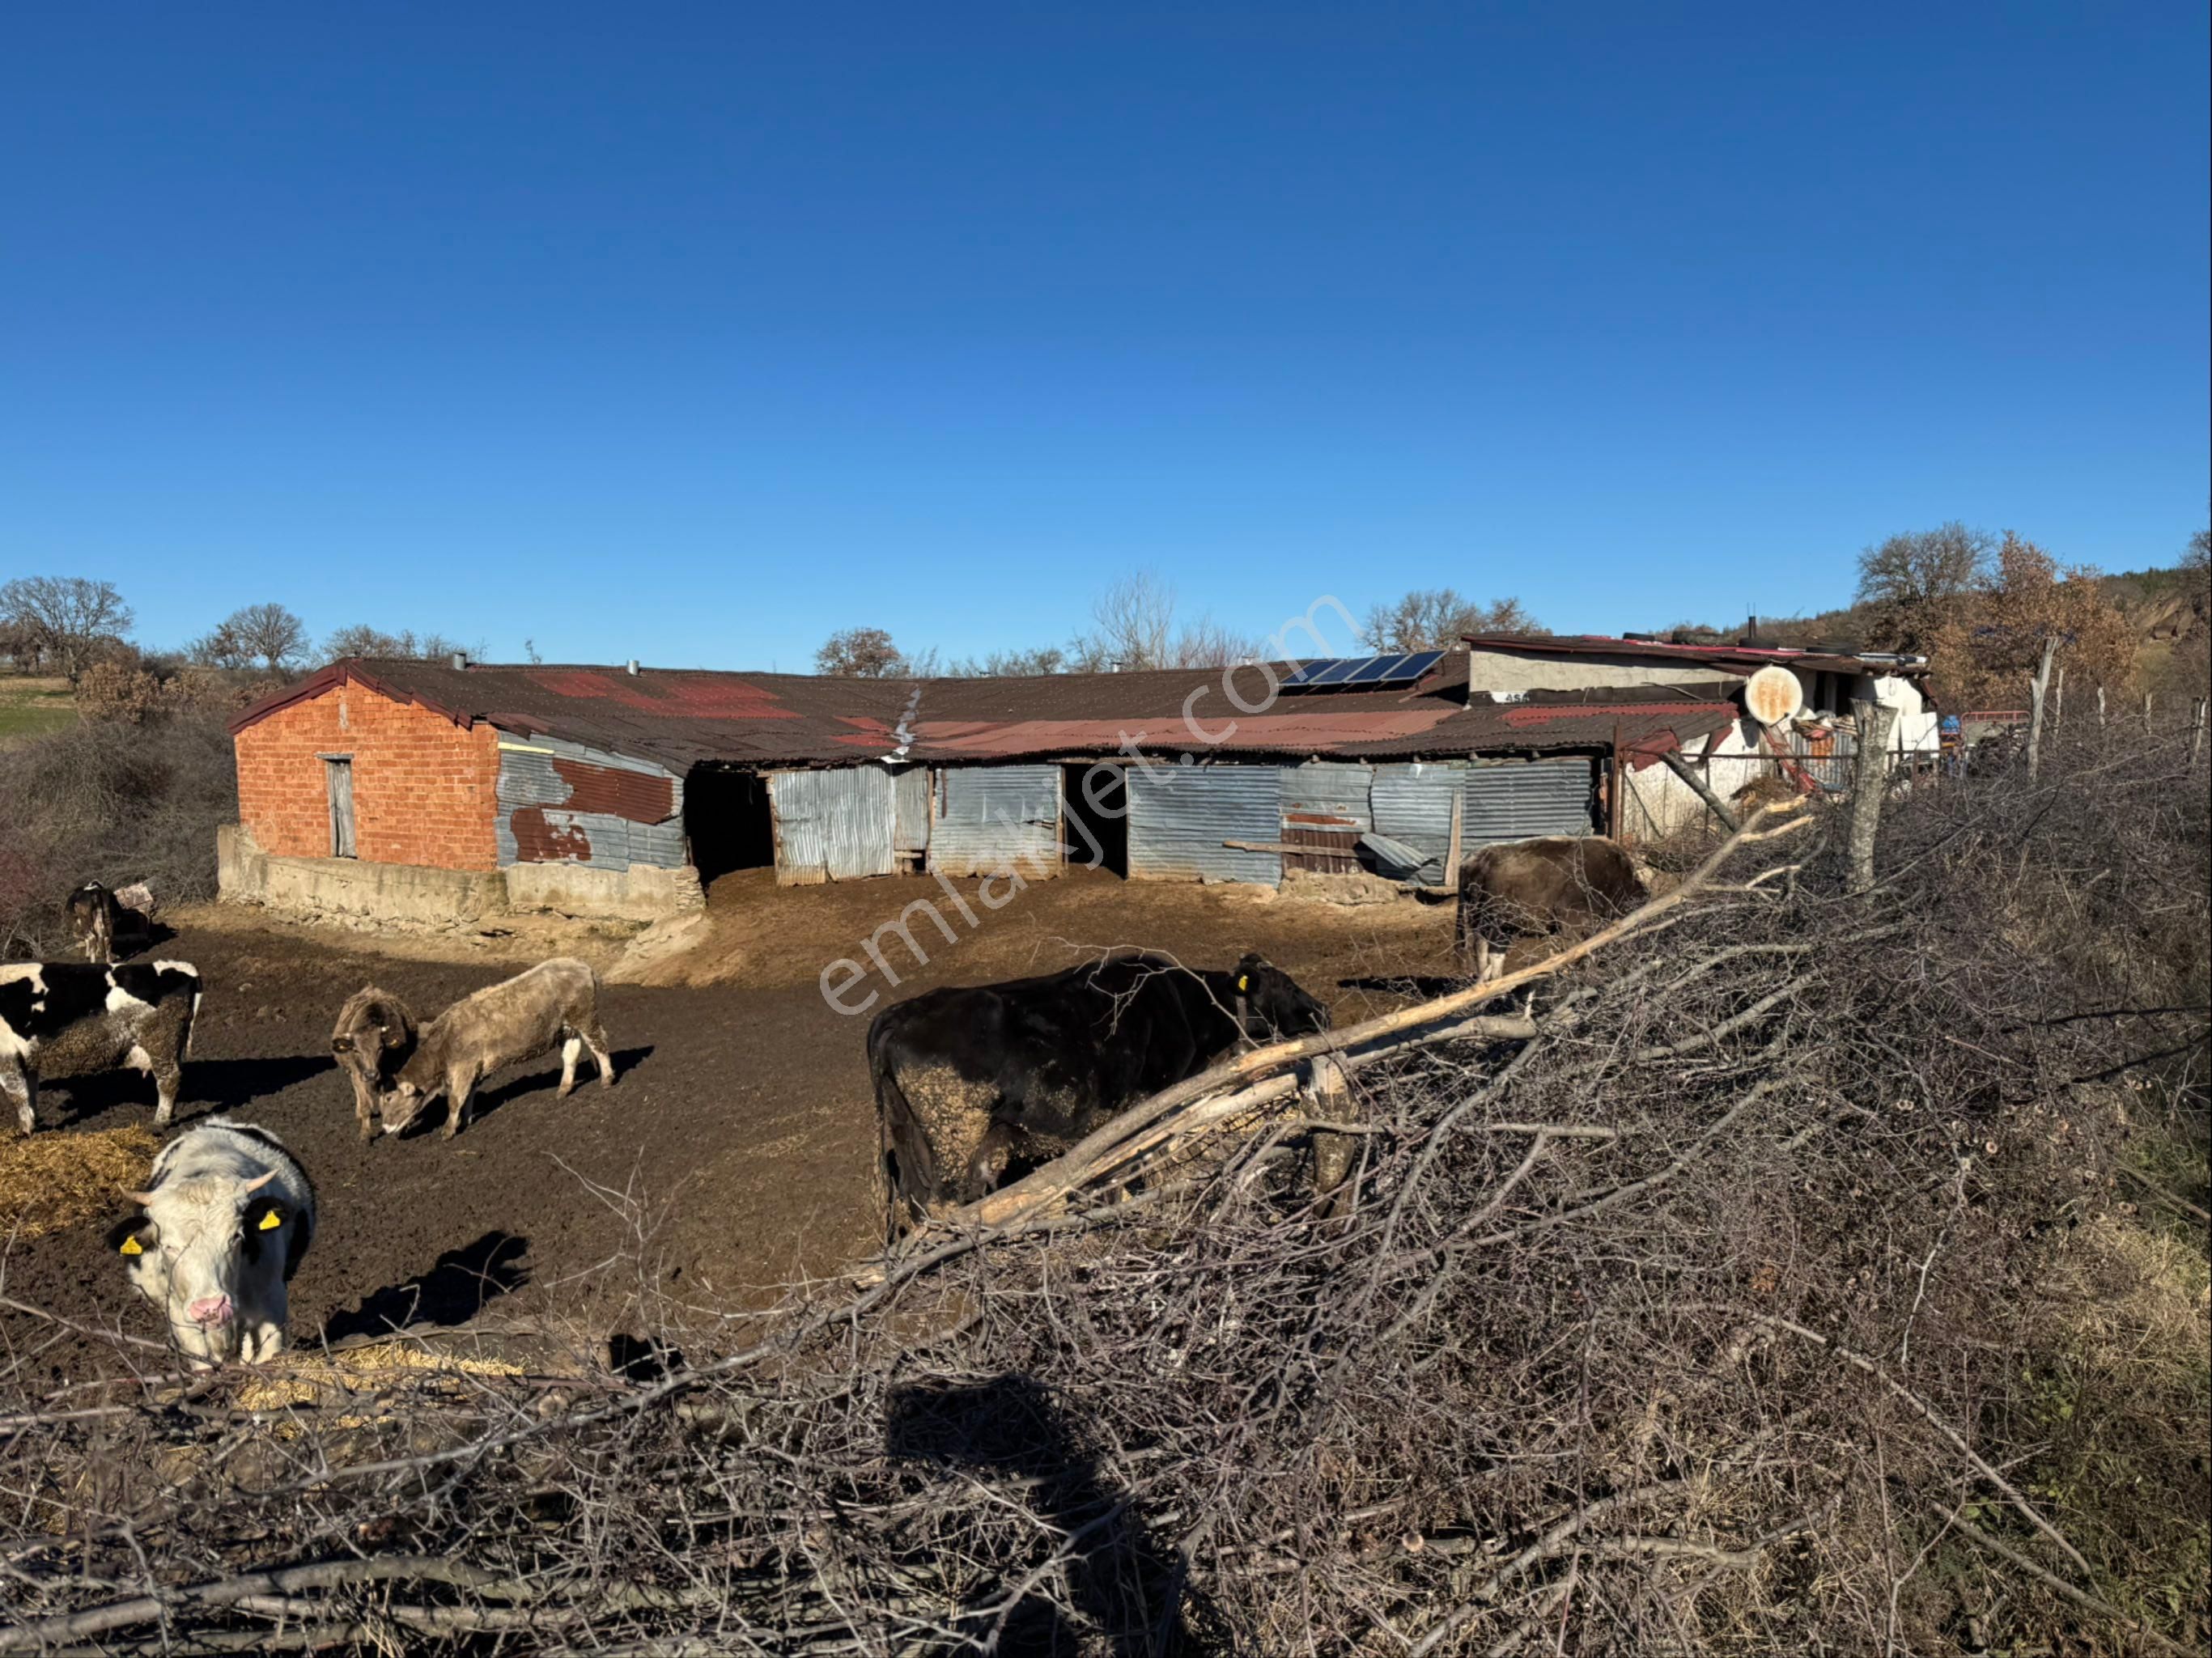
[[100, 920], [60, 1019], [971, 1081], [226, 1218], [1517, 888], [556, 1002], [373, 1037]]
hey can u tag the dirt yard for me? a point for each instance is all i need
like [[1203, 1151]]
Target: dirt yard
[[735, 1155]]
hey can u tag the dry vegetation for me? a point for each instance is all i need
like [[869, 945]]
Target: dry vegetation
[[1827, 1273]]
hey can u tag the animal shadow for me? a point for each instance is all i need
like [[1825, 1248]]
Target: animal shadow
[[547, 1077], [1124, 1584], [455, 1290], [1426, 986], [227, 1083]]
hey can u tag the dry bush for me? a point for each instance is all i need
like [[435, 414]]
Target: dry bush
[[115, 801], [1787, 1292]]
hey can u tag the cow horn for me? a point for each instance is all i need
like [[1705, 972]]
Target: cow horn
[[260, 1181], [142, 1198]]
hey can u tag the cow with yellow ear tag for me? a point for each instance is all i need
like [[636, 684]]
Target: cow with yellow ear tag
[[224, 1221]]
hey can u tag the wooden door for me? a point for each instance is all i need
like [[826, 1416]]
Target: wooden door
[[337, 776]]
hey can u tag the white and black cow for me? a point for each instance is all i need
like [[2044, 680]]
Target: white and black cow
[[225, 1220], [61, 1019], [975, 1083]]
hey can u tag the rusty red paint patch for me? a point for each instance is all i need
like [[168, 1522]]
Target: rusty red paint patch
[[637, 796], [718, 698], [537, 841], [1548, 713]]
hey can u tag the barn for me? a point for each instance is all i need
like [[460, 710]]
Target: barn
[[452, 790]]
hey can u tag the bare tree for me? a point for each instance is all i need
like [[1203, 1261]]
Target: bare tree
[[70, 620], [1907, 582], [1436, 619], [1134, 625], [862, 653], [406, 645], [268, 634], [1010, 665]]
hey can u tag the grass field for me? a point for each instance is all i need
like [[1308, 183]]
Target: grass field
[[33, 707]]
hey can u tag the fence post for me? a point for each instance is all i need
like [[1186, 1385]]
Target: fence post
[[2058, 699], [2039, 684], [2197, 731], [2100, 708], [1875, 720], [2149, 730]]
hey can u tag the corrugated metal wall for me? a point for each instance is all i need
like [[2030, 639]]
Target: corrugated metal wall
[[991, 817], [1178, 816], [1513, 799], [1413, 803], [562, 802], [1325, 812], [910, 798], [831, 825]]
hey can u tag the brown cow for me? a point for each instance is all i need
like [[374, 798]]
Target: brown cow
[[373, 1037], [554, 1004], [1518, 888]]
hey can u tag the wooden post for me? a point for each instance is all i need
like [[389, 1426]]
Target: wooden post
[[1876, 721], [2039, 684], [1451, 852], [2148, 729], [1612, 818], [1325, 1096], [2058, 699], [1719, 807], [2197, 731]]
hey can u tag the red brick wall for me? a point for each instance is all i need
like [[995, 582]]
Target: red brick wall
[[424, 790]]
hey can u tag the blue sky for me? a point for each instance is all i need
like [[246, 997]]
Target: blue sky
[[695, 333]]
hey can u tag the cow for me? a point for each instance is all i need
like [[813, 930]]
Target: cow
[[1517, 888], [972, 1081], [99, 919], [373, 1037], [64, 1019], [555, 1003], [226, 1219]]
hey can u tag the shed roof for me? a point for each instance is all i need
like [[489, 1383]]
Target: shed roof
[[680, 718], [1744, 659]]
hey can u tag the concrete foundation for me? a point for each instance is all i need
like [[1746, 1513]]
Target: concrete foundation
[[412, 892]]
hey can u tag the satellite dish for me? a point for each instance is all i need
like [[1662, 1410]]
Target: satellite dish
[[1772, 695]]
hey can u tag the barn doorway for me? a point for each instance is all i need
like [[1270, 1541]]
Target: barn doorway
[[727, 821], [338, 785], [1095, 800]]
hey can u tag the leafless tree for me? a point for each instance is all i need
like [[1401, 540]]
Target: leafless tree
[[1010, 663], [1135, 623], [1436, 619], [1906, 582], [862, 654], [364, 640], [267, 635], [70, 621]]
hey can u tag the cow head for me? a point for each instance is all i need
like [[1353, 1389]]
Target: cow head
[[1270, 1006], [400, 1104], [188, 1251]]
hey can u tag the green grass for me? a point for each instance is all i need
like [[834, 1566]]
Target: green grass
[[34, 708]]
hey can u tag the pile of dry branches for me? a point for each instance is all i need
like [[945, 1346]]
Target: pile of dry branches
[[1716, 1311]]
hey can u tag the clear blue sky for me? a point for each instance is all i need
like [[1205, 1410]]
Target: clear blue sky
[[693, 333]]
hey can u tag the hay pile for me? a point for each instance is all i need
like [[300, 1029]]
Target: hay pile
[[49, 1182]]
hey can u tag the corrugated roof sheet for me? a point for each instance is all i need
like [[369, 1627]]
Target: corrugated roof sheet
[[680, 717]]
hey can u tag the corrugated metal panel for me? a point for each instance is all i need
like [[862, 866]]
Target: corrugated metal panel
[[562, 803], [1325, 812], [1178, 816], [994, 817], [831, 825], [910, 798], [1512, 800], [1413, 804]]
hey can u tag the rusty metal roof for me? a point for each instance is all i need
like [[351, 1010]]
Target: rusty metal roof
[[680, 718], [1729, 659]]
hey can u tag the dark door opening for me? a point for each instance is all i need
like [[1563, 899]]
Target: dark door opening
[[1094, 803], [727, 821], [338, 781]]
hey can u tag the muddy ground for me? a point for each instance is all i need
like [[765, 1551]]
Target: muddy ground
[[734, 1156]]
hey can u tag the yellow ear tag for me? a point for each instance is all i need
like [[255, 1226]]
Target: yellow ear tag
[[271, 1220], [132, 1247], [1243, 982]]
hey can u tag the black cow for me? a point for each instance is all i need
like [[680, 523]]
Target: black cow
[[1517, 888], [976, 1081], [61, 1019]]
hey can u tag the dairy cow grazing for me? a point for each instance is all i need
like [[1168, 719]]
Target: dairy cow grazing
[[555, 1003], [1518, 888], [972, 1081], [59, 1019], [226, 1219]]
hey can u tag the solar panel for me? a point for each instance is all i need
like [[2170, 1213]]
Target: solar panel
[[1375, 668], [1416, 665], [1306, 671], [1338, 672]]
